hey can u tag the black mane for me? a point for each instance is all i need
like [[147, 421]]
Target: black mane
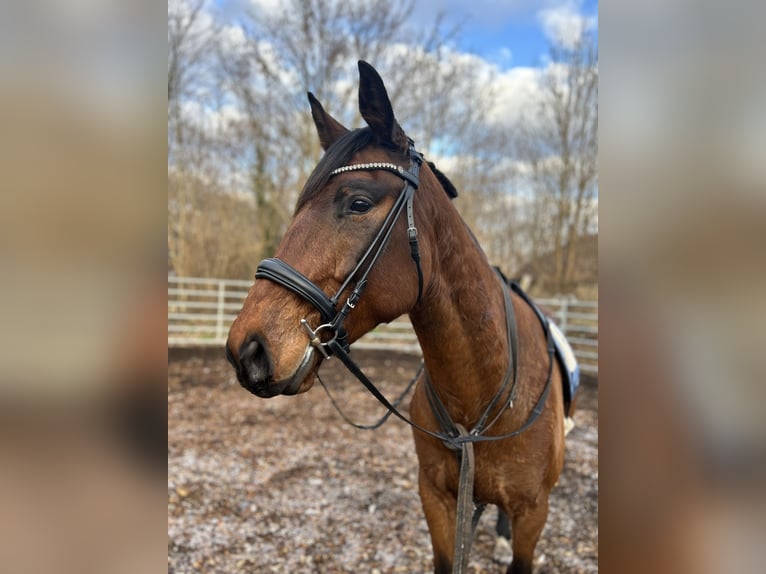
[[448, 186]]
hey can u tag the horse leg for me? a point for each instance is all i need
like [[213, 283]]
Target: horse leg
[[503, 526], [502, 552], [527, 525], [439, 507]]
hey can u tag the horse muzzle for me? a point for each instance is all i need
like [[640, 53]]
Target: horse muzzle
[[255, 371]]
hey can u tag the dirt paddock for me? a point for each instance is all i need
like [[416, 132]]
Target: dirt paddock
[[284, 485]]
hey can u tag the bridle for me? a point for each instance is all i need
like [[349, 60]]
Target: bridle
[[290, 278], [453, 435], [336, 339]]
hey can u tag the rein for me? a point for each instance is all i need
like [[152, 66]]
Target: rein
[[453, 435]]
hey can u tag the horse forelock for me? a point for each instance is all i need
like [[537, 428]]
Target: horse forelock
[[337, 155]]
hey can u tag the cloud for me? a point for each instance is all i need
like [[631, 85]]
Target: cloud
[[564, 23], [211, 120], [233, 40], [504, 55], [519, 90], [271, 7], [184, 10], [512, 92]]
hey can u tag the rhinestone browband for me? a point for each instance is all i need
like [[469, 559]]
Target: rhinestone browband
[[364, 166]]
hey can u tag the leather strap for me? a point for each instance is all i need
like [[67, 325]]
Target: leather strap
[[375, 249], [513, 344], [339, 352], [412, 237], [439, 410], [454, 442], [386, 416], [463, 515], [283, 274], [293, 280]]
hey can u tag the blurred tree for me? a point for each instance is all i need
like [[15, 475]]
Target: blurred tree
[[559, 143], [217, 234], [313, 45], [190, 37], [240, 131]]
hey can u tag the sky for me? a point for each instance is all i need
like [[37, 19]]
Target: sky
[[510, 33], [506, 33]]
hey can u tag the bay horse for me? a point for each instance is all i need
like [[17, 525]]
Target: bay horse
[[375, 226]]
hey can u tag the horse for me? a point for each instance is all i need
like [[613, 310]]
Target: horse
[[375, 225]]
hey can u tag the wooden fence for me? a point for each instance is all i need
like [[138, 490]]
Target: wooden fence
[[201, 310]]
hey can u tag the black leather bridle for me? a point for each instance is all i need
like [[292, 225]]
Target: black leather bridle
[[290, 278], [336, 341], [453, 435]]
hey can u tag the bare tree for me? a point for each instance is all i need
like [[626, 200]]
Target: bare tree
[[190, 38], [217, 238], [560, 145], [313, 45], [239, 128]]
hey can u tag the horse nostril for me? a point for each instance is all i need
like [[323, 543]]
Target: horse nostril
[[255, 360], [230, 356]]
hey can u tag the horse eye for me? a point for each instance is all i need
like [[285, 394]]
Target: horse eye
[[360, 206]]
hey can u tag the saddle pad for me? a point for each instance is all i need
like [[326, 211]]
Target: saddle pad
[[569, 367]]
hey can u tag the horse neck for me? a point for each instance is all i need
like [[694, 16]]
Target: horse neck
[[460, 323]]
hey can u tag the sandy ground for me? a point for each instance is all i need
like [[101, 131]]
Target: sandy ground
[[284, 485]]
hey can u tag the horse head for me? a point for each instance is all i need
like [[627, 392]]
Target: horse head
[[352, 231]]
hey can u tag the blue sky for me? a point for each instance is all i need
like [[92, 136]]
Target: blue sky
[[508, 33]]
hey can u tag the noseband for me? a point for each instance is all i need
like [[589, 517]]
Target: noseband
[[281, 273]]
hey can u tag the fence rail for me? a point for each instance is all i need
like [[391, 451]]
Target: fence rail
[[201, 310]]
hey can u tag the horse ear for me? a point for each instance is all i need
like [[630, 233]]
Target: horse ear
[[376, 109], [328, 128]]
